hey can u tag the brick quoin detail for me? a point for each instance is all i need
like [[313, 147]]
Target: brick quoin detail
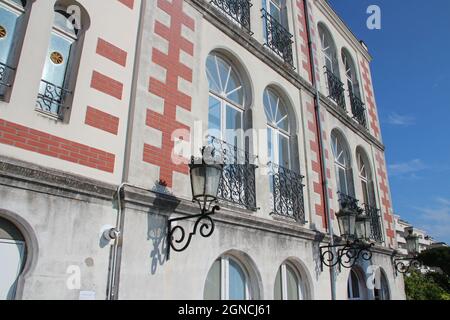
[[40, 142], [315, 165], [370, 100], [168, 90], [128, 3], [111, 52], [303, 32], [102, 120], [107, 85], [385, 202]]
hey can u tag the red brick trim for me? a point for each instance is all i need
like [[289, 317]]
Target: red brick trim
[[373, 118], [40, 142], [107, 85], [386, 205], [102, 120], [111, 52], [168, 90], [128, 3]]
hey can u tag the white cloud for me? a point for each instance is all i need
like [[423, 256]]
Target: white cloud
[[407, 169], [400, 120], [436, 220]]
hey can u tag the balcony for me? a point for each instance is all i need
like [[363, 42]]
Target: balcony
[[278, 38], [237, 10], [51, 99], [358, 110], [237, 184], [335, 88], [6, 75], [351, 204], [287, 193], [375, 223]]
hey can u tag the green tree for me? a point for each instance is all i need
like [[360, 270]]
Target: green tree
[[420, 286], [436, 257]]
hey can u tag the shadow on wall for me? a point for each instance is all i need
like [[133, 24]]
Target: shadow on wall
[[157, 228]]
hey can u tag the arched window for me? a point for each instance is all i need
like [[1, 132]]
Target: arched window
[[355, 287], [328, 47], [227, 280], [288, 284], [342, 164], [382, 292], [277, 129], [61, 62], [12, 25], [226, 101], [12, 257], [365, 177], [350, 73]]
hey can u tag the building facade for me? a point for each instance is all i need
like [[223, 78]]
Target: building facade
[[100, 114]]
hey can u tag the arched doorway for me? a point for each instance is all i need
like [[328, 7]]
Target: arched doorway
[[12, 258]]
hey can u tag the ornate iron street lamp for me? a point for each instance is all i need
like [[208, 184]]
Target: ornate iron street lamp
[[205, 173], [403, 264], [355, 231]]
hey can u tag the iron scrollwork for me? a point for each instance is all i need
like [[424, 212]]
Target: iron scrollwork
[[336, 88], [287, 193], [375, 222], [237, 10], [203, 223], [345, 255], [51, 98], [5, 75], [237, 184], [278, 38], [403, 264], [358, 109]]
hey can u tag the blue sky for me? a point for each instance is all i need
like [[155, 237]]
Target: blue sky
[[411, 76]]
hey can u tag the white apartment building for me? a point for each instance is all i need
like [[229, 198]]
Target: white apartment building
[[102, 105]]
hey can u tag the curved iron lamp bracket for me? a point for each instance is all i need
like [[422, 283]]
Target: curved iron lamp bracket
[[179, 240], [404, 264], [345, 255]]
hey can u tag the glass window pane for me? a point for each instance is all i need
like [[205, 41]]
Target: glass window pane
[[214, 117], [283, 151], [355, 285], [236, 282], [55, 73], [278, 290], [291, 284], [212, 285], [342, 183], [233, 134], [8, 20], [270, 150]]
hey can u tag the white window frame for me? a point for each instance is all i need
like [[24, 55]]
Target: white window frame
[[225, 281], [283, 282], [336, 140], [350, 286]]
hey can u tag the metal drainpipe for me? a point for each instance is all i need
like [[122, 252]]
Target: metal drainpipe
[[112, 290], [321, 148]]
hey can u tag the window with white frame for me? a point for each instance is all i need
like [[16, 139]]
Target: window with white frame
[[382, 293], [12, 20], [288, 284], [227, 280], [278, 137], [350, 73], [342, 165], [328, 50], [226, 101], [355, 288], [365, 179]]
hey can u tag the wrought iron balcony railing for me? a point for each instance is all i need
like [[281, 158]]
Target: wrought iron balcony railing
[[6, 73], [51, 98], [358, 109], [237, 184], [335, 88], [287, 193], [278, 38], [375, 222], [237, 10], [347, 202]]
